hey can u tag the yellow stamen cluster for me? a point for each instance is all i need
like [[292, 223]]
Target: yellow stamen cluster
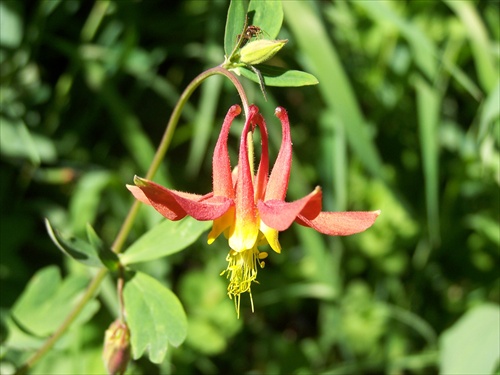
[[241, 272]]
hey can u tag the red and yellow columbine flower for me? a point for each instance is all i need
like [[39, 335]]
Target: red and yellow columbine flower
[[250, 208]]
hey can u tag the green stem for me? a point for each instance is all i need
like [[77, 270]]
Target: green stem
[[167, 138], [127, 224]]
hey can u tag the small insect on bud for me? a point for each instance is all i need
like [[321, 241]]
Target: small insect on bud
[[258, 51], [116, 354]]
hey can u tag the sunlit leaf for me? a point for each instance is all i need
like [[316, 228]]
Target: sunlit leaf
[[166, 238], [276, 76], [472, 344], [48, 299], [268, 15], [154, 315]]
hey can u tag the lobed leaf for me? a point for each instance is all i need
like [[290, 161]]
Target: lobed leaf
[[48, 299], [155, 316]]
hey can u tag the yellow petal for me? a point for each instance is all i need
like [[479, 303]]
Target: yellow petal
[[221, 224], [271, 236]]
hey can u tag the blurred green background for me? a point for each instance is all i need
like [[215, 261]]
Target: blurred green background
[[405, 119]]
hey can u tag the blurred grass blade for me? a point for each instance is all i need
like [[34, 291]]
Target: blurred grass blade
[[481, 46], [335, 162], [86, 199], [203, 124], [323, 61], [490, 112], [424, 51], [94, 20], [428, 107], [128, 127]]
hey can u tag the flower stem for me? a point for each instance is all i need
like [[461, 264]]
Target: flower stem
[[117, 246], [167, 138]]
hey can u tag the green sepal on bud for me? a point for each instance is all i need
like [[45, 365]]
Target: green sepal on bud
[[258, 51], [253, 53], [116, 353]]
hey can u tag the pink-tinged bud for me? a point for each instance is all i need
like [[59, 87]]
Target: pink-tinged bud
[[116, 354]]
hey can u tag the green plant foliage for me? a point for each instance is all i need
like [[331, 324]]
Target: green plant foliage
[[337, 91], [393, 105], [154, 315], [279, 77], [48, 299], [234, 25], [246, 57], [92, 253], [166, 238], [210, 312], [75, 248], [268, 15], [480, 325]]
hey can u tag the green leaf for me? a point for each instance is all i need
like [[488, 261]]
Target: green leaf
[[280, 77], [75, 248], [472, 344], [11, 25], [154, 315], [47, 300], [234, 24], [166, 238], [106, 255], [268, 15]]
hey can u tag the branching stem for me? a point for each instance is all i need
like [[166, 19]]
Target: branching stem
[[122, 235]]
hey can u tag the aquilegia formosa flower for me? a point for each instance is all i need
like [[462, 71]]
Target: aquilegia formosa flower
[[250, 208]]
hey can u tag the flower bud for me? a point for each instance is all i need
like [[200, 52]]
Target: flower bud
[[258, 51], [116, 354]]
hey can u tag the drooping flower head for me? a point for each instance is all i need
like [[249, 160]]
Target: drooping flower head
[[250, 208]]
